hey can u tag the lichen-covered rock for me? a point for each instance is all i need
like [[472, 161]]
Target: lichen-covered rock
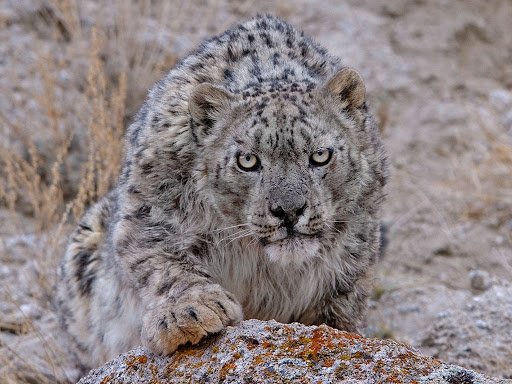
[[270, 352]]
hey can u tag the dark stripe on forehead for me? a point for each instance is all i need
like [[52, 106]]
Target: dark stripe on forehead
[[291, 147], [305, 135], [276, 145], [257, 139]]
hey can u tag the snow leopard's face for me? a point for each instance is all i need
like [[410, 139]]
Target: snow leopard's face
[[286, 168]]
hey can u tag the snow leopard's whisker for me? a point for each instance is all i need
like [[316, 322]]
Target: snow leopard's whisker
[[230, 237], [230, 227], [334, 229], [239, 237], [236, 233], [253, 241]]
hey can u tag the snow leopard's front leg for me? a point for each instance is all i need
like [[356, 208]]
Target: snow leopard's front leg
[[182, 303], [188, 314], [345, 308]]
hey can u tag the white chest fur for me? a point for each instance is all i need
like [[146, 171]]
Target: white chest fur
[[266, 289]]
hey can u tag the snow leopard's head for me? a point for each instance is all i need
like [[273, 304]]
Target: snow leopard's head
[[289, 164]]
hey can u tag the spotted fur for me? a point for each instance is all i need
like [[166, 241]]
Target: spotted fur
[[188, 242]]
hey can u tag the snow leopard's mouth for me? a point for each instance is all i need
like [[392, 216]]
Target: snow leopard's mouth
[[286, 235], [293, 249]]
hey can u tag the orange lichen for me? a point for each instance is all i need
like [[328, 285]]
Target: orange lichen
[[106, 379], [154, 373], [258, 359], [142, 359], [225, 369], [317, 341], [133, 361], [328, 362], [267, 345]]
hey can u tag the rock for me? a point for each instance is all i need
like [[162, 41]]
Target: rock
[[4, 270], [479, 280], [501, 99], [507, 121], [270, 352], [462, 335], [445, 249], [459, 326]]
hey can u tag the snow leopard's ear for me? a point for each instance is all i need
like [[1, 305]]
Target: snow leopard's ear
[[207, 102], [347, 87]]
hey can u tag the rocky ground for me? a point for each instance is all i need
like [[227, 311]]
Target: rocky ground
[[439, 79]]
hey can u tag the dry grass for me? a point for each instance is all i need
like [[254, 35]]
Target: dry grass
[[34, 184], [485, 185], [56, 163]]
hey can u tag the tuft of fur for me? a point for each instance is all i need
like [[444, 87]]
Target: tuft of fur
[[191, 241]]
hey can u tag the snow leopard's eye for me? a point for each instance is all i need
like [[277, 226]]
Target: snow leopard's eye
[[248, 162], [321, 157]]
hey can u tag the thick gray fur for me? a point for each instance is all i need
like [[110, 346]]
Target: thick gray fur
[[188, 242]]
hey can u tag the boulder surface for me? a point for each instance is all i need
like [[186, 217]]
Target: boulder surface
[[271, 352]]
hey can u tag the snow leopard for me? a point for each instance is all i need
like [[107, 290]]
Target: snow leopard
[[251, 188]]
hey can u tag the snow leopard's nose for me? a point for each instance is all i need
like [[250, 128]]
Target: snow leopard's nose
[[289, 215]]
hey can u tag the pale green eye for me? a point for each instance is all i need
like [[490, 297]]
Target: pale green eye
[[248, 162], [321, 157]]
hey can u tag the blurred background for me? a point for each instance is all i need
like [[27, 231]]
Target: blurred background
[[439, 80]]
